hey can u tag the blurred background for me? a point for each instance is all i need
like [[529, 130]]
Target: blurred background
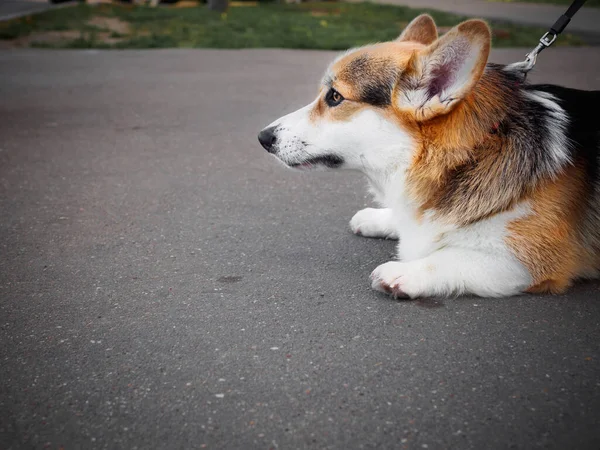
[[328, 25], [165, 283]]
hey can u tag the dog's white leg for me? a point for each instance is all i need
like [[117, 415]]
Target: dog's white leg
[[373, 222], [453, 271]]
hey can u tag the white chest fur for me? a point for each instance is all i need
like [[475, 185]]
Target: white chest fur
[[439, 258], [422, 234]]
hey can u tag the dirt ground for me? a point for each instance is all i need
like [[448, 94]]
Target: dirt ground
[[109, 30]]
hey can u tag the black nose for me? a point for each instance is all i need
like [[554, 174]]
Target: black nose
[[267, 138]]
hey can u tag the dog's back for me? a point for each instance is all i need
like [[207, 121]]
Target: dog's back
[[583, 133]]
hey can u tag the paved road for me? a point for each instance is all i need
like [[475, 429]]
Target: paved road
[[12, 9], [585, 22], [164, 283]]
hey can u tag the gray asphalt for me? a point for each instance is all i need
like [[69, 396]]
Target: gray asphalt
[[586, 22], [13, 9], [164, 283]]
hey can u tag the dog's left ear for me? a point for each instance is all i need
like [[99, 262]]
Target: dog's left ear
[[441, 75], [422, 29]]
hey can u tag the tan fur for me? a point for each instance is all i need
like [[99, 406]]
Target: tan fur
[[342, 113], [422, 29], [395, 53], [546, 241], [458, 140], [346, 81]]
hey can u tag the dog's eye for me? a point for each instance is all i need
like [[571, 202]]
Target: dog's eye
[[333, 97]]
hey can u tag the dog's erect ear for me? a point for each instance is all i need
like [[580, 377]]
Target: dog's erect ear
[[422, 29], [438, 77]]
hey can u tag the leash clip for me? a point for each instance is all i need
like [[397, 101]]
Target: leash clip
[[547, 39], [531, 58], [547, 42]]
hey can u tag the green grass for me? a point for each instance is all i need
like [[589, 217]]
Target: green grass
[[331, 26], [592, 3], [57, 20]]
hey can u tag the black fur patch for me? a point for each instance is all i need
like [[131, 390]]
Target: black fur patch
[[584, 125], [373, 77]]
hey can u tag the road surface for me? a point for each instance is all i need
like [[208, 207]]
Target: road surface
[[164, 283]]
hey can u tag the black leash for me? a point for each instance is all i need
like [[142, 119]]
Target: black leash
[[548, 39], [564, 20]]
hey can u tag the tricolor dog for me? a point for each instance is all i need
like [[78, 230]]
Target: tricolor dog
[[491, 185]]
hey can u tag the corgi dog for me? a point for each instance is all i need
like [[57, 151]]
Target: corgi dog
[[490, 184]]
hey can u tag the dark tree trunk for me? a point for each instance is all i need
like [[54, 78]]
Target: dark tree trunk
[[218, 5]]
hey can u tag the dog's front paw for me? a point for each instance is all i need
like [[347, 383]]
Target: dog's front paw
[[399, 279], [372, 222]]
